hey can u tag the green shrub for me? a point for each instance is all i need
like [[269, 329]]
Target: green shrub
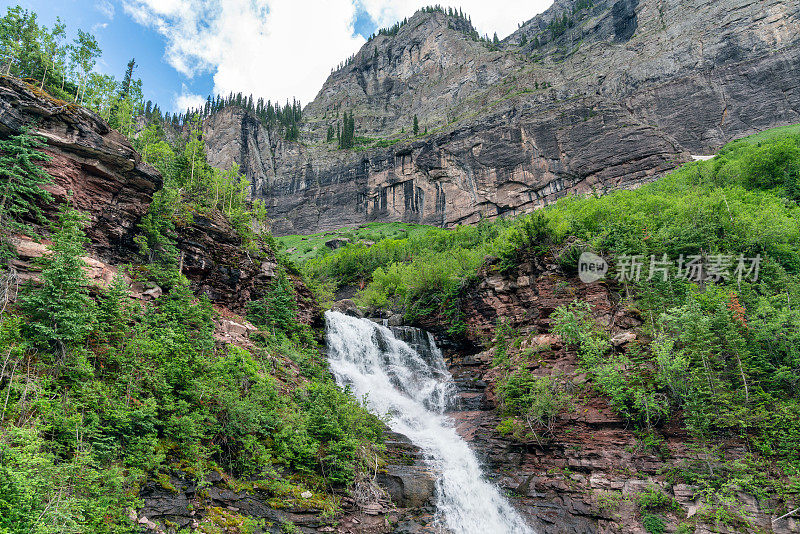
[[277, 309], [773, 163], [653, 498], [653, 523], [60, 315], [538, 399], [529, 235], [33, 483]]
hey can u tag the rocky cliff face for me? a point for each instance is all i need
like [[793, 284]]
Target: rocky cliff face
[[90, 161], [587, 475], [629, 90], [107, 179]]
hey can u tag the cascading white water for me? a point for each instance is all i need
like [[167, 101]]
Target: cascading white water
[[396, 379]]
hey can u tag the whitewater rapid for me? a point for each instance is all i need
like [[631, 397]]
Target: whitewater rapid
[[409, 381]]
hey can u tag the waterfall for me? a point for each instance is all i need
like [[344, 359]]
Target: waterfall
[[401, 372]]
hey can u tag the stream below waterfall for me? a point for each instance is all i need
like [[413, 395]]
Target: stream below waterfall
[[402, 373]]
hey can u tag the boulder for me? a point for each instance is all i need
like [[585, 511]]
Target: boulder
[[623, 338], [348, 307], [337, 242], [409, 486]]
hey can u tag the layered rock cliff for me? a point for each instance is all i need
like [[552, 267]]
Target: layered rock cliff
[[626, 91], [99, 170], [94, 164], [587, 475]]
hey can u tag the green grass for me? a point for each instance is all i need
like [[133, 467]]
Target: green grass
[[301, 248], [791, 129]]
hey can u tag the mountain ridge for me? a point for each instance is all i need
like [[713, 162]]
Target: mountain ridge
[[514, 128]]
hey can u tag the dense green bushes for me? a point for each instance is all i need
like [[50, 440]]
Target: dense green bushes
[[537, 400], [721, 354], [98, 394]]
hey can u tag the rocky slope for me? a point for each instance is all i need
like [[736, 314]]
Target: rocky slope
[[587, 475], [628, 91], [89, 160], [106, 178]]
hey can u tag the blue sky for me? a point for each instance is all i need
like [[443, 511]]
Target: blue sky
[[277, 49]]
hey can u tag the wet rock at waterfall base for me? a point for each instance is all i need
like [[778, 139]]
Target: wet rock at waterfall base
[[409, 486], [400, 371]]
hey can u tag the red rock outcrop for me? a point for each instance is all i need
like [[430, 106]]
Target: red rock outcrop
[[97, 165], [213, 259], [586, 476], [107, 179]]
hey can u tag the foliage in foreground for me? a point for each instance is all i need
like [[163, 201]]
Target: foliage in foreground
[[100, 395]]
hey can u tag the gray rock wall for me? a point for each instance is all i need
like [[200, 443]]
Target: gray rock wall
[[627, 93]]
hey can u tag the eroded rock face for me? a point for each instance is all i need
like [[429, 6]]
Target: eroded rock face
[[90, 161], [627, 93], [586, 475], [106, 178]]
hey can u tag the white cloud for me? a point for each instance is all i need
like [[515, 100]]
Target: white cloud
[[106, 8], [286, 48], [187, 100], [270, 48], [501, 16]]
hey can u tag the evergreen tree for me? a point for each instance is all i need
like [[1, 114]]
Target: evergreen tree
[[21, 179], [125, 89], [416, 125], [155, 241], [60, 313], [348, 131], [114, 311], [352, 132]]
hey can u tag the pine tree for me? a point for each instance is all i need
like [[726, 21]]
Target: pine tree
[[114, 310], [21, 179], [352, 129], [60, 313], [416, 125], [126, 81], [348, 131]]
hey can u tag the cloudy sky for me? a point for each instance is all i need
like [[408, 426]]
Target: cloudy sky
[[276, 49]]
